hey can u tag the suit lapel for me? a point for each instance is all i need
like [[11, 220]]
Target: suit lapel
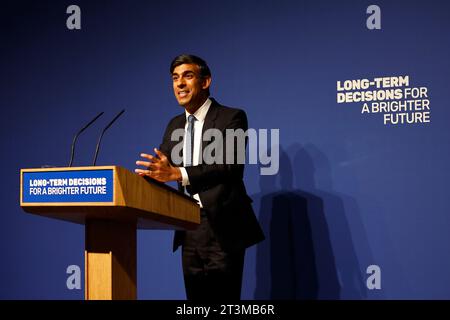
[[178, 123], [210, 121]]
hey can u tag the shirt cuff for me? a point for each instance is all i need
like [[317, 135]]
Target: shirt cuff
[[184, 177]]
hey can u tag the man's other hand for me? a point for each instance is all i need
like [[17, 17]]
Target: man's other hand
[[158, 167]]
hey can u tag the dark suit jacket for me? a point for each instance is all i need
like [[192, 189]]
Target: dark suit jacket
[[220, 186]]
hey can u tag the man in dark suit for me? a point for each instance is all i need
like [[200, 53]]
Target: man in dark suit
[[213, 254]]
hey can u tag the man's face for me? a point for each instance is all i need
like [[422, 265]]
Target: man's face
[[189, 87]]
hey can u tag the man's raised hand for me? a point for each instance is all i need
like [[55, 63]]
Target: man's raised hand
[[158, 167]]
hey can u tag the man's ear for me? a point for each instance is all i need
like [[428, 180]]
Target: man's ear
[[206, 83]]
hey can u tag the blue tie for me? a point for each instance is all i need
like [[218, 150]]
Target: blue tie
[[190, 141]]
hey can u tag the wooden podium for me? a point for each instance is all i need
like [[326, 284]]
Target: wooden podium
[[112, 203]]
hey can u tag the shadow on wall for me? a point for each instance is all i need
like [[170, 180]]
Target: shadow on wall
[[299, 259]]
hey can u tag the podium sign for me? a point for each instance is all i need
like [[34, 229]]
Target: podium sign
[[68, 186]]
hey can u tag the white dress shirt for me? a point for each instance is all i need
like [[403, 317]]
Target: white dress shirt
[[200, 115]]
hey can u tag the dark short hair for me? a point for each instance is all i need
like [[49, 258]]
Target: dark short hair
[[191, 59]]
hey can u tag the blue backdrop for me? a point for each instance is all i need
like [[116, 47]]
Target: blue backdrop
[[351, 192]]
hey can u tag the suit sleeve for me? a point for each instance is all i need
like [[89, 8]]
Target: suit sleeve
[[204, 176]]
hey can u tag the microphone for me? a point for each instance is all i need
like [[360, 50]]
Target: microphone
[[103, 132], [76, 137]]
